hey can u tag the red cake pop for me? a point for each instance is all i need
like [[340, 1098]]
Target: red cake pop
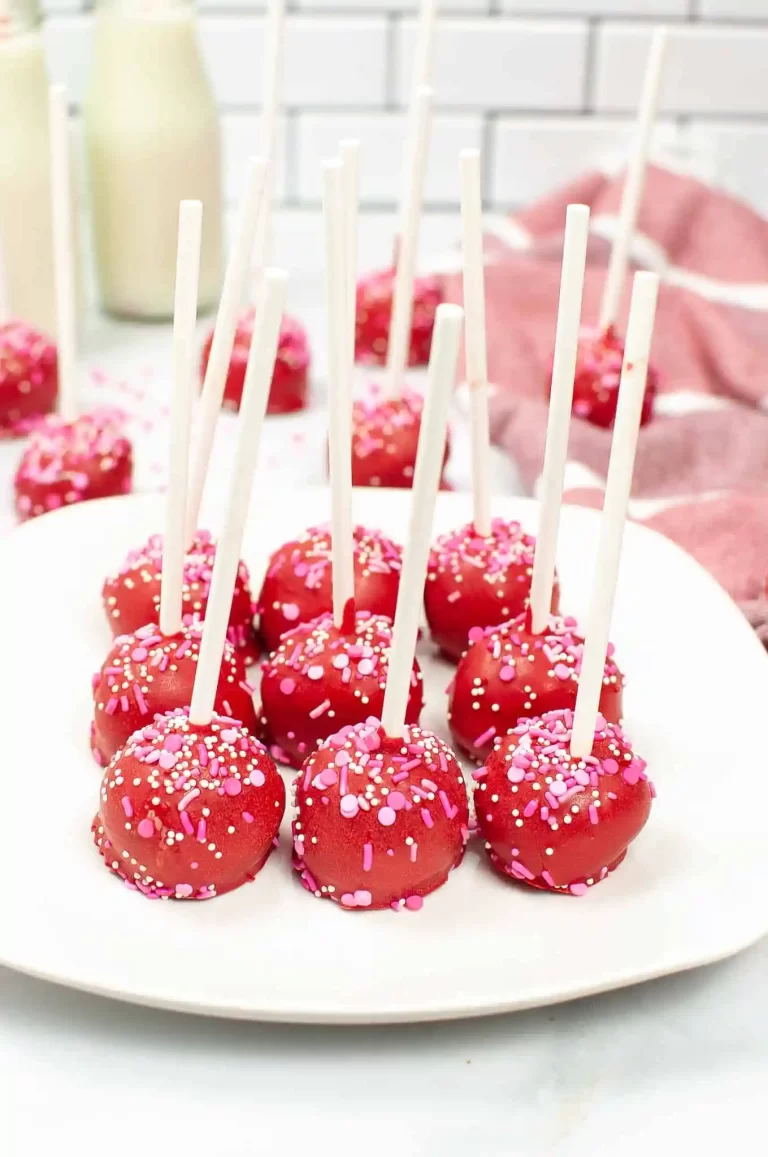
[[132, 596], [297, 585], [67, 462], [598, 373], [146, 674], [555, 822], [189, 812], [374, 314], [290, 380], [322, 678], [28, 378], [510, 672], [385, 437], [380, 821], [475, 582]]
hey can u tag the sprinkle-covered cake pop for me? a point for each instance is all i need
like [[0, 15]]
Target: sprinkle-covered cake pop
[[148, 673], [509, 672], [555, 822], [290, 381], [385, 438], [322, 678], [374, 314], [131, 597], [297, 586], [380, 821], [68, 462], [598, 373], [28, 378], [189, 812], [475, 582]]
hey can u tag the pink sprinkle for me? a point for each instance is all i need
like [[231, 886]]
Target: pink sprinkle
[[291, 612], [139, 654], [515, 775], [287, 686], [111, 707], [183, 891], [340, 662], [521, 870], [127, 806], [363, 898], [141, 702], [257, 778], [364, 667], [186, 823], [426, 816], [348, 806], [577, 889], [414, 903], [449, 809], [367, 857], [315, 673], [328, 777], [400, 776], [202, 754], [547, 878], [173, 743], [146, 829], [387, 816], [558, 788], [202, 828], [530, 807], [232, 786], [248, 817], [182, 648], [475, 634], [229, 735], [610, 766], [396, 800], [507, 674], [483, 739], [124, 704], [321, 708], [594, 818], [187, 799], [562, 672]]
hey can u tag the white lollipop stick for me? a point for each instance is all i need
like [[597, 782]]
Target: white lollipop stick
[[63, 253], [560, 402], [350, 159], [633, 184], [342, 556], [424, 52], [642, 311], [258, 376], [402, 301], [474, 334], [426, 481], [233, 291], [274, 35], [184, 350]]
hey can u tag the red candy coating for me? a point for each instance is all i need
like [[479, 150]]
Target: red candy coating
[[510, 672], [380, 822], [28, 378], [598, 373], [68, 462], [474, 583], [147, 674], [189, 812], [290, 380], [297, 585], [322, 678], [385, 439], [132, 596], [374, 314], [554, 822]]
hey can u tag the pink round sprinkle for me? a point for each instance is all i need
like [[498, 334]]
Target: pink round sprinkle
[[232, 786], [363, 898], [229, 735], [414, 903], [315, 673], [396, 800], [515, 775], [507, 674], [184, 890], [387, 816], [562, 672], [610, 766], [365, 667], [290, 612], [328, 777], [167, 760], [340, 662], [256, 778], [577, 889], [475, 634], [146, 829], [558, 788], [287, 686], [173, 743], [348, 900], [581, 777], [139, 654], [349, 806]]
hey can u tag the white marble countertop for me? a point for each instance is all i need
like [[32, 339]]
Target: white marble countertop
[[677, 1062]]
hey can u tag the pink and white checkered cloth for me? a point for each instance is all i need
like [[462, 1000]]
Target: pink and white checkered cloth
[[701, 475]]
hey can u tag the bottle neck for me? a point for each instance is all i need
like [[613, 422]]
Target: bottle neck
[[18, 17]]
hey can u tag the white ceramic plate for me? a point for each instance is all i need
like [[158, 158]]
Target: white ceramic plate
[[692, 889]]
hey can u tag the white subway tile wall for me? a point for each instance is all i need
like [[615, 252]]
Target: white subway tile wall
[[546, 88]]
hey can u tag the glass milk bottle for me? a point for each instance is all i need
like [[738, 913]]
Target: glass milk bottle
[[152, 138], [26, 256]]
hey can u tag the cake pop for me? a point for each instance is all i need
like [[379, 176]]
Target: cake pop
[[322, 678], [596, 387], [475, 582], [288, 391], [380, 821], [555, 821], [131, 596], [385, 435], [189, 811], [297, 586], [147, 673], [70, 457], [28, 378], [509, 673], [374, 317]]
